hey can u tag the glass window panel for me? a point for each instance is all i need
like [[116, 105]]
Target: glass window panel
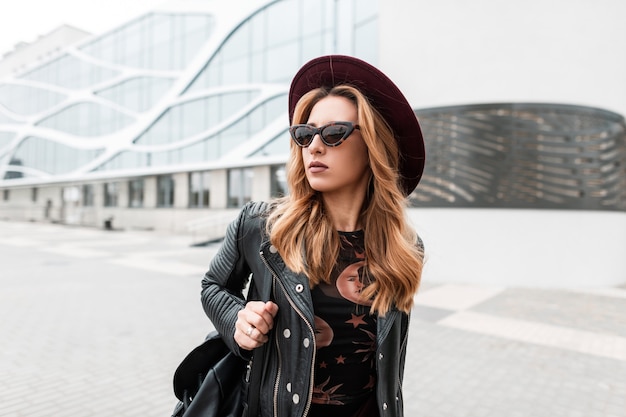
[[257, 33], [248, 177], [239, 186], [365, 10], [312, 46], [195, 153], [194, 117], [311, 11], [277, 146], [9, 175], [135, 193], [51, 157], [165, 191], [257, 63], [87, 119], [156, 41], [88, 195], [161, 29], [70, 72], [282, 62], [110, 194], [366, 35], [234, 187], [278, 181], [125, 160], [23, 99], [6, 138], [195, 189], [206, 189], [138, 94], [159, 158], [236, 71], [233, 103], [238, 45], [274, 107], [199, 183], [282, 22]]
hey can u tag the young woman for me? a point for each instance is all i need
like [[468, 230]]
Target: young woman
[[337, 253]]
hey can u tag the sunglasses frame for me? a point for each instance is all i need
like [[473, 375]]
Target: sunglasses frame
[[318, 131]]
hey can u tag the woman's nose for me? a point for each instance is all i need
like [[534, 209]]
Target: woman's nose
[[316, 144]]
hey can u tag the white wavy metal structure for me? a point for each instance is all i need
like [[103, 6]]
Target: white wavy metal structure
[[96, 129]]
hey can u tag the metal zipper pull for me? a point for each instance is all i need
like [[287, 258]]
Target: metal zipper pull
[[248, 370]]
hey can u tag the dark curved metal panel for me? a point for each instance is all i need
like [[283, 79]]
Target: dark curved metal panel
[[523, 155]]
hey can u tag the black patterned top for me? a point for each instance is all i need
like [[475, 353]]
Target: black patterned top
[[345, 334]]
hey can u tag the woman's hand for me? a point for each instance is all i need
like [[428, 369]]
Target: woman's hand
[[253, 324]]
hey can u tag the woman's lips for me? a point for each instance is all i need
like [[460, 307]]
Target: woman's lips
[[317, 167]]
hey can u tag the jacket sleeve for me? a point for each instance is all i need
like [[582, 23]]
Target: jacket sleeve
[[223, 284]]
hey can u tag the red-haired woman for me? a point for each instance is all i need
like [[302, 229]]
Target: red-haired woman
[[342, 263]]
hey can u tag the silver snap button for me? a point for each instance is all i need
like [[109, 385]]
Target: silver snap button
[[381, 356], [289, 387], [384, 406], [296, 398], [273, 249], [287, 333], [306, 342], [299, 288]]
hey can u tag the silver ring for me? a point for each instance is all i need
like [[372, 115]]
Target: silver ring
[[249, 331]]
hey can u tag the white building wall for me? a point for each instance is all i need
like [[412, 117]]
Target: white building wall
[[528, 248], [261, 183], [150, 192], [181, 190], [219, 189], [17, 205], [33, 210], [450, 52]]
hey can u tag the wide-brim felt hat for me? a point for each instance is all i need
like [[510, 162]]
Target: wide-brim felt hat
[[332, 70]]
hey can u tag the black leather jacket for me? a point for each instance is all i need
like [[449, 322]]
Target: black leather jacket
[[287, 384]]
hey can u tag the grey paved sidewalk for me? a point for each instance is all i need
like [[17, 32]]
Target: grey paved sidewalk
[[93, 323]]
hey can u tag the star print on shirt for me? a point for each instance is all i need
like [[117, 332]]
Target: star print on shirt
[[341, 360], [356, 320], [323, 365]]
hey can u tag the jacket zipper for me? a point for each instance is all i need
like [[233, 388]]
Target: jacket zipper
[[299, 312]]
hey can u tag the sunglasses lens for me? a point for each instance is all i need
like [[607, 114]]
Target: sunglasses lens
[[303, 135], [334, 133]]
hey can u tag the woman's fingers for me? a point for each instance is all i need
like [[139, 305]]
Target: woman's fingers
[[260, 315], [253, 324]]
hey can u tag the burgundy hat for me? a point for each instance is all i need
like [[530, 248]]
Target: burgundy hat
[[331, 70]]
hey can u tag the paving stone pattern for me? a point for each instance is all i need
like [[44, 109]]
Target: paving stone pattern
[[93, 323]]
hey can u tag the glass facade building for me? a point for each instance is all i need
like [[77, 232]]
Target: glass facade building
[[172, 92]]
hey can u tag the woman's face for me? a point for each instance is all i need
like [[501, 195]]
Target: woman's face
[[339, 169]]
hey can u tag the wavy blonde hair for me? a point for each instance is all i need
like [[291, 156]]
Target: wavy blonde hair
[[303, 232]]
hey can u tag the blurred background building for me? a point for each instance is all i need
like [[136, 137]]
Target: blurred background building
[[175, 119]]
